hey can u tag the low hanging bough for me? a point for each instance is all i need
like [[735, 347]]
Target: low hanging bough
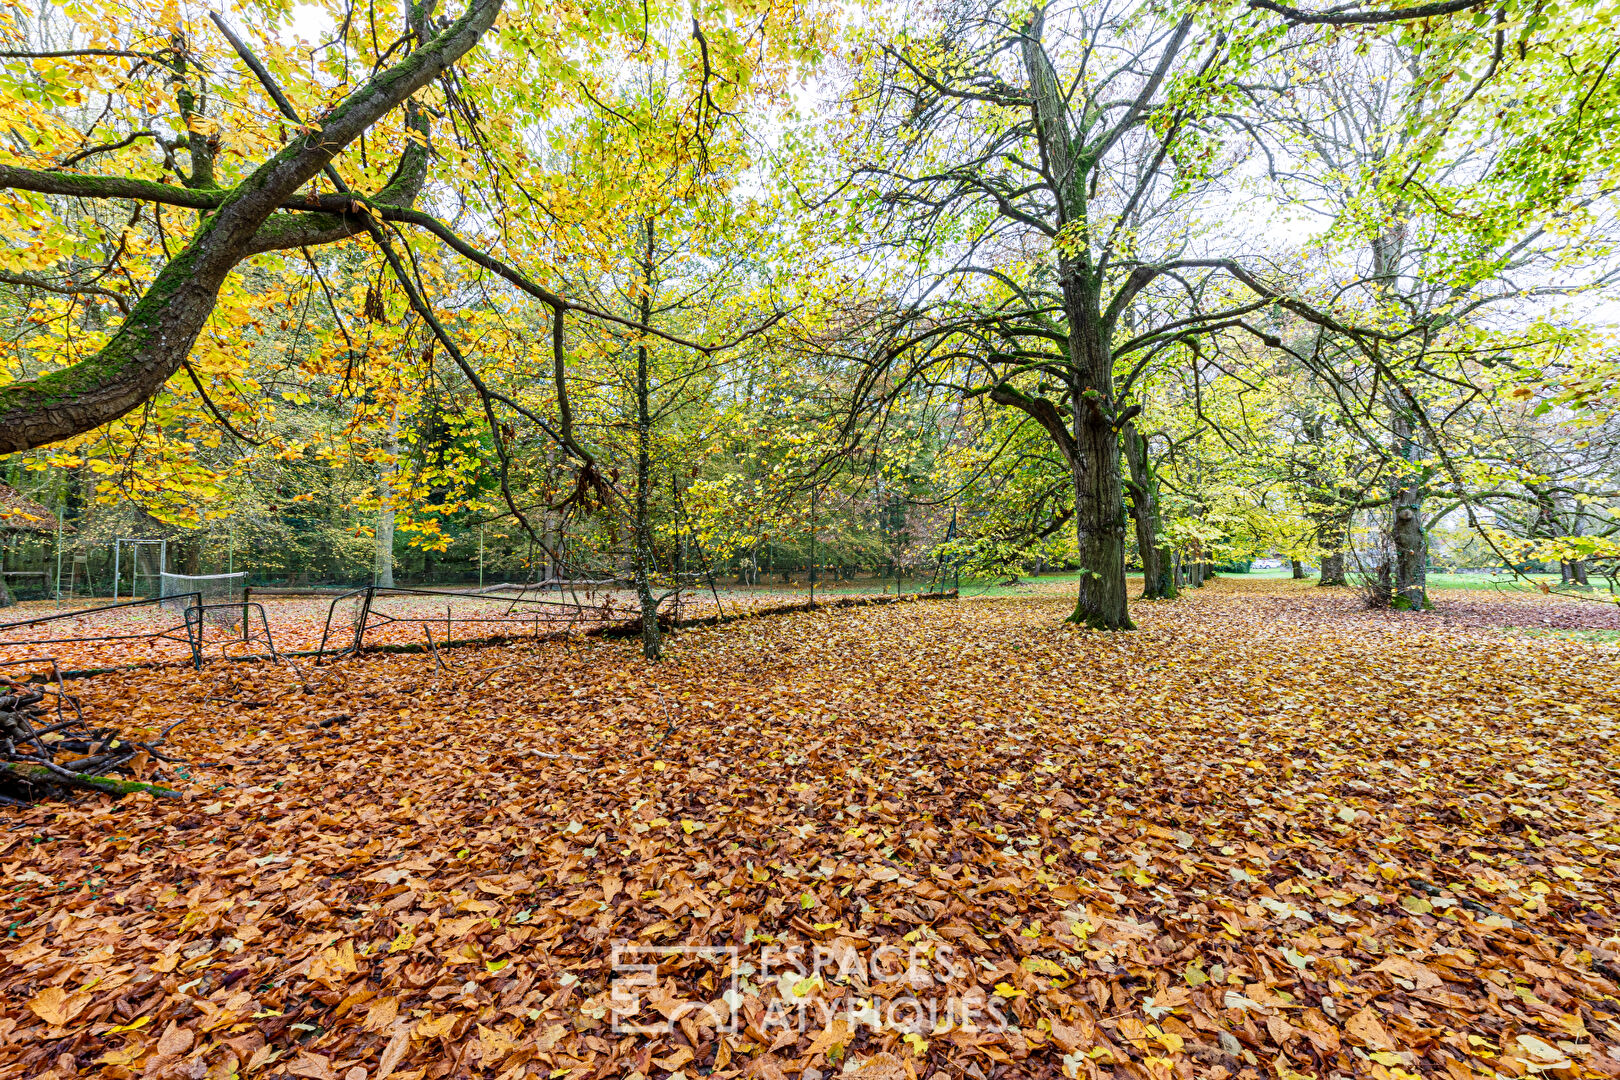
[[49, 748]]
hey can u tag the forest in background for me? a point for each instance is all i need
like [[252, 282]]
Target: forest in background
[[959, 286]]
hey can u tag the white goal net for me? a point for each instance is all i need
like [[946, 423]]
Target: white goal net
[[214, 588]]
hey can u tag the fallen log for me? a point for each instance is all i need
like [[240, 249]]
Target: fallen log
[[40, 775], [45, 748]]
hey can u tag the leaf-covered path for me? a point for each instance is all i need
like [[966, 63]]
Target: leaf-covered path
[[1267, 834]]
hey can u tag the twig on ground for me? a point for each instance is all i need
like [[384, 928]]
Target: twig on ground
[[437, 662], [488, 675]]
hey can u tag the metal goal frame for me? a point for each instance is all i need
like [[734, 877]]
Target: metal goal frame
[[136, 542]]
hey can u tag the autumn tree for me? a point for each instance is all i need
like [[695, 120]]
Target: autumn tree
[[1438, 269], [1042, 156]]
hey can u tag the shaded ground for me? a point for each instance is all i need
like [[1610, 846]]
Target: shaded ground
[[1268, 834]]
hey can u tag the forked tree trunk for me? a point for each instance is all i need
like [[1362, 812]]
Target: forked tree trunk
[[1158, 580], [1332, 568], [1088, 438], [1411, 547]]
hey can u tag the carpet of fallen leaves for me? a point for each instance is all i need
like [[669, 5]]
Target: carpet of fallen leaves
[[1266, 835]]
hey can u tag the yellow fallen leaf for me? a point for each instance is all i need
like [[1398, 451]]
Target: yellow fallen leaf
[[134, 1025], [1040, 965], [433, 1027], [128, 1055]]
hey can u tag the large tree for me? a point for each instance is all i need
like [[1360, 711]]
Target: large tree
[[348, 156], [1040, 164], [155, 338]]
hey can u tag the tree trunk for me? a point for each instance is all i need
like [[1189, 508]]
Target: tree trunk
[[190, 555], [1089, 441], [552, 525], [1411, 592], [651, 639], [1299, 569], [383, 557], [1099, 513], [1332, 533], [1158, 581], [1411, 546]]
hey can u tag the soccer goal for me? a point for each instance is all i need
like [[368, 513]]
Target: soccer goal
[[144, 561], [213, 588]]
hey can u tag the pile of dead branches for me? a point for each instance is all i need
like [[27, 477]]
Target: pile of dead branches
[[47, 747]]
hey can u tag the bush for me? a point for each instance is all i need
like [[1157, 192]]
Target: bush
[[1234, 566]]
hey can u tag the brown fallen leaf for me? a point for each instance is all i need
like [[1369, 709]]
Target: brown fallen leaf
[[394, 1052], [380, 1017], [57, 1007], [674, 1061], [311, 1067], [1365, 1029], [836, 1033], [1401, 967], [882, 1067], [175, 1040]]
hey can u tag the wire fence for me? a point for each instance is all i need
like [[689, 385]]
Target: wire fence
[[193, 629], [461, 617], [150, 620]]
